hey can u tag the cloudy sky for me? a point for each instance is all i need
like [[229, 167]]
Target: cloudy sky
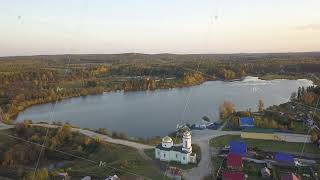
[[163, 26]]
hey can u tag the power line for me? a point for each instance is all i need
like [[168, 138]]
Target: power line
[[182, 119], [47, 131]]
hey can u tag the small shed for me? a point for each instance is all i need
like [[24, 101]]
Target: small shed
[[246, 122], [285, 158], [265, 172], [238, 147], [230, 175]]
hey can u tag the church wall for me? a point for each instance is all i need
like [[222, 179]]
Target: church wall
[[185, 158], [165, 155], [157, 153], [175, 156]]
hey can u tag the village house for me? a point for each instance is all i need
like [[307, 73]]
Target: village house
[[234, 161], [166, 151]]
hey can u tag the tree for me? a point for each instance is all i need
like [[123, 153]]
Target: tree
[[226, 109], [299, 93], [308, 97], [260, 105], [293, 96], [229, 74], [314, 136]]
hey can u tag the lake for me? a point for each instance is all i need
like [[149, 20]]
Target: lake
[[156, 113]]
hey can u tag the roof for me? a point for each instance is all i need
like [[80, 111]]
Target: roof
[[284, 157], [289, 176], [265, 171], [167, 139], [233, 176], [259, 130], [238, 147], [246, 122], [173, 148], [234, 160]]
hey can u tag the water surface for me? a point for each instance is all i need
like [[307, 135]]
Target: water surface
[[156, 113]]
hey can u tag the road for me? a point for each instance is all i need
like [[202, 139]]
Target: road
[[140, 147], [201, 138], [5, 126]]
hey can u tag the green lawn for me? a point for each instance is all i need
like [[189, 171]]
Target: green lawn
[[266, 145], [124, 158], [299, 128]]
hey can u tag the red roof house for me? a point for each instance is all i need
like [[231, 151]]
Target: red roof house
[[289, 176], [233, 176], [234, 161]]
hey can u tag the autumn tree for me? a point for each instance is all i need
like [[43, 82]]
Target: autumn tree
[[314, 136], [260, 105], [226, 109], [229, 74], [308, 97]]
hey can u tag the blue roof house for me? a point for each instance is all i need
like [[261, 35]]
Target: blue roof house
[[284, 158], [238, 147], [246, 122]]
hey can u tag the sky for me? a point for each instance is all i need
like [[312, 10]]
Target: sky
[[166, 26]]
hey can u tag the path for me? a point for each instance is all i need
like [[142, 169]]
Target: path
[[5, 126], [140, 147]]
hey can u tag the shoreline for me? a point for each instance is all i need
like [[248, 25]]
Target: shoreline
[[13, 117]]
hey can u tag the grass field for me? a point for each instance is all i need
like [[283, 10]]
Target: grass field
[[266, 145], [123, 158]]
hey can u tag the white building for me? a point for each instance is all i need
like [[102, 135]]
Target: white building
[[166, 151]]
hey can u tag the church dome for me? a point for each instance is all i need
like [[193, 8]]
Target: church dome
[[167, 139]]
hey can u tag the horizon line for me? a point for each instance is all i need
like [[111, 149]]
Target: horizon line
[[239, 53]]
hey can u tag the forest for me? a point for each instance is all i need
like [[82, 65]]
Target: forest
[[30, 80]]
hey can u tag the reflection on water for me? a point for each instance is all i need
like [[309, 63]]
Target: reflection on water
[[152, 113]]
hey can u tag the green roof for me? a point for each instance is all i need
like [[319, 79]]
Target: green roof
[[258, 130]]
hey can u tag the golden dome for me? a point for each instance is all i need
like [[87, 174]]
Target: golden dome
[[167, 139]]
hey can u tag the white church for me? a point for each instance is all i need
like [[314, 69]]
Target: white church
[[166, 151]]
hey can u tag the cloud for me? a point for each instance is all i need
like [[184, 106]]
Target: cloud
[[313, 27]]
